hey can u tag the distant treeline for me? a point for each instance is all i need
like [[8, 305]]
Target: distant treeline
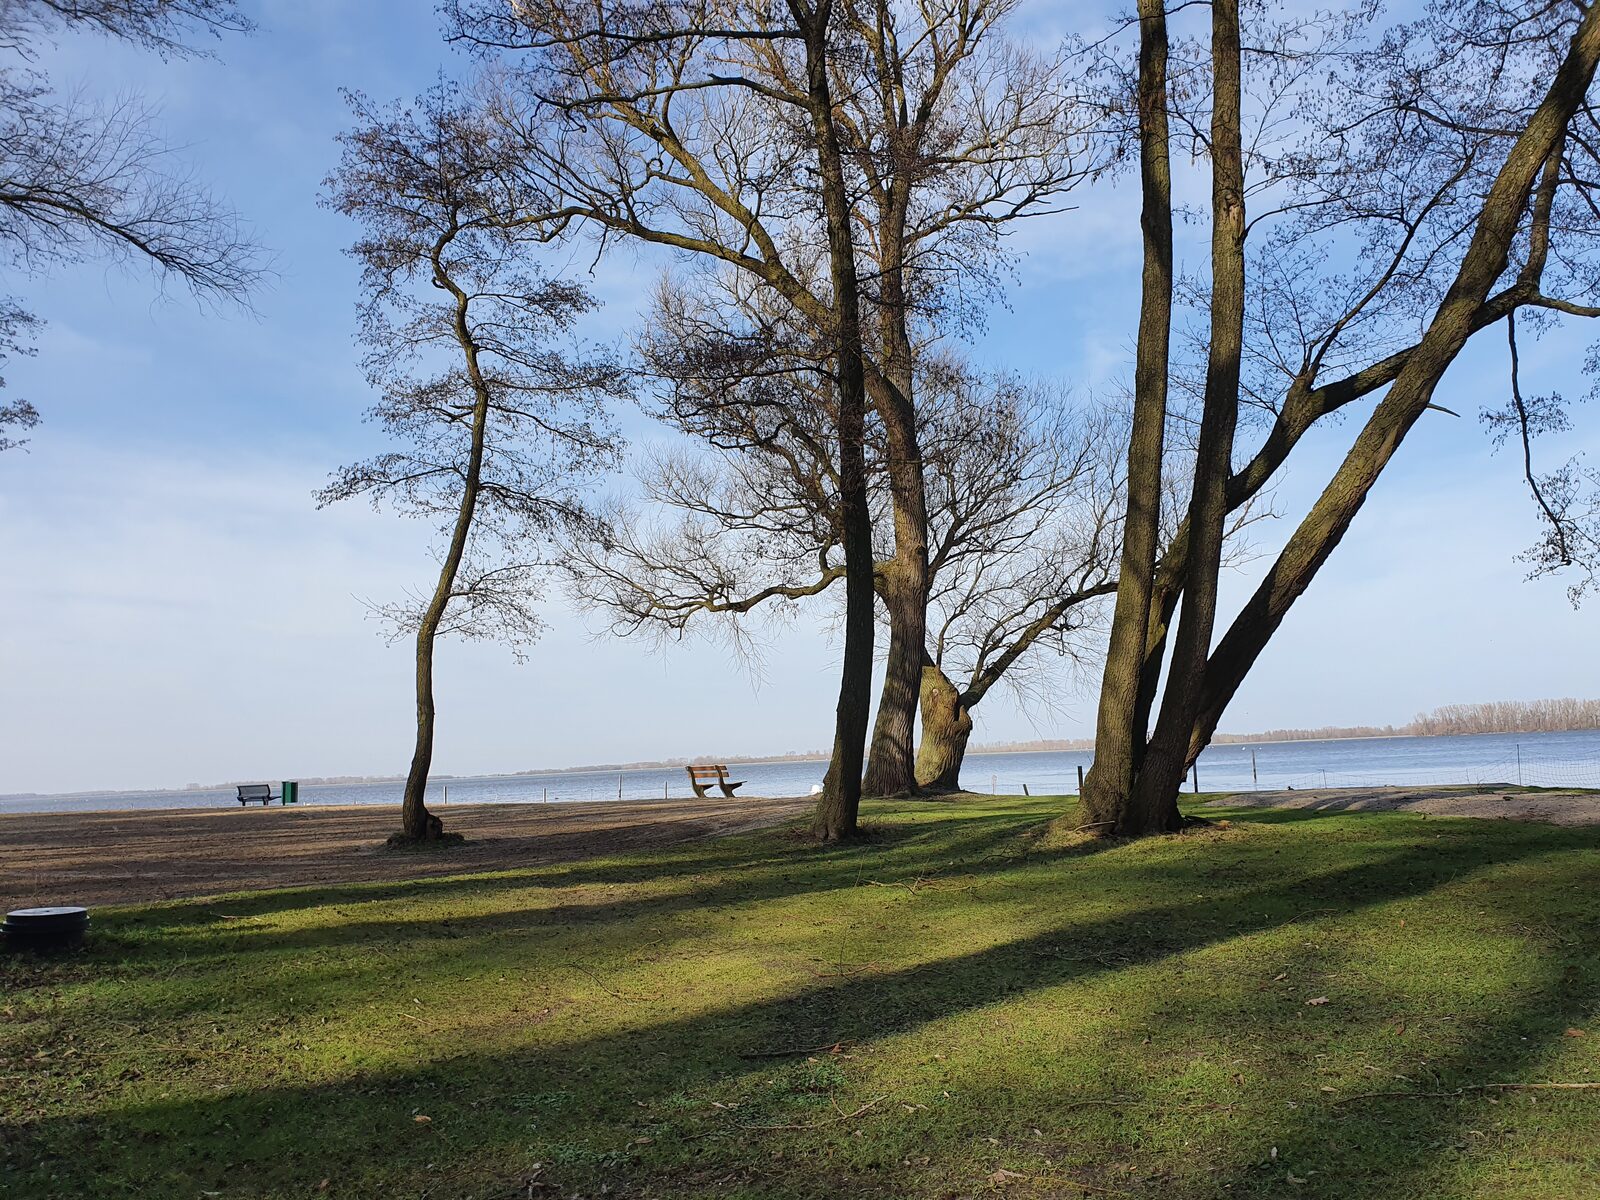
[[1496, 716]]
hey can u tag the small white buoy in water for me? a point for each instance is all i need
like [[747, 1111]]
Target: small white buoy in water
[[816, 789]]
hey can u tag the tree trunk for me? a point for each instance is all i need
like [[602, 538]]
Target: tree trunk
[[838, 808], [1155, 793], [1457, 317], [946, 726], [1106, 790], [891, 763], [417, 824]]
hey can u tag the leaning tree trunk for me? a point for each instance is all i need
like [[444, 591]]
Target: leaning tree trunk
[[946, 726], [417, 824], [838, 807], [1118, 742]]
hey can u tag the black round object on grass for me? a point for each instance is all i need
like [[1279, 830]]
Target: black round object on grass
[[45, 928]]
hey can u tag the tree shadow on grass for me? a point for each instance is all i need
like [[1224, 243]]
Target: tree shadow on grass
[[580, 1104]]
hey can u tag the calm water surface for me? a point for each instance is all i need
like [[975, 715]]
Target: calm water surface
[[1542, 759]]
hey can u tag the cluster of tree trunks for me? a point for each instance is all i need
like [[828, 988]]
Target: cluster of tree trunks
[[1132, 787]]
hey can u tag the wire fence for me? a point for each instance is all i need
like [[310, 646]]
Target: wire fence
[[1503, 772], [1300, 766]]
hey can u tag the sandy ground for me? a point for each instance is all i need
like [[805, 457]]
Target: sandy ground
[[126, 857], [1559, 808]]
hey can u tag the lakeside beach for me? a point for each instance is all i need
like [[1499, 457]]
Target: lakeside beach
[[1531, 759], [127, 857]]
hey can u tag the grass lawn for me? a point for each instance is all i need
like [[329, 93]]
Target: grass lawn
[[1213, 1014]]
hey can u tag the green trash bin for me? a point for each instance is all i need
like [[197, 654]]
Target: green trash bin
[[291, 791]]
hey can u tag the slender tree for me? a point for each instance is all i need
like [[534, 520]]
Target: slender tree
[[1118, 744], [501, 428], [655, 123]]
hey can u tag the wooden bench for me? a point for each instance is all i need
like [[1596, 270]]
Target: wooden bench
[[700, 778], [255, 791]]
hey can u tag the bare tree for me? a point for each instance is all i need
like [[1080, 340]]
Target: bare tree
[[1022, 486], [500, 429], [655, 123], [947, 134], [1441, 152], [84, 179]]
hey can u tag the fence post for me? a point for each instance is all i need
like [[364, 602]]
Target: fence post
[[1080, 779], [1196, 769], [1519, 764], [1255, 780]]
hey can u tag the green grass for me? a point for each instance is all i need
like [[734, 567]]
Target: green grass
[[1014, 1016]]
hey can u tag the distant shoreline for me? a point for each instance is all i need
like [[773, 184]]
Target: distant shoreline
[[1043, 746]]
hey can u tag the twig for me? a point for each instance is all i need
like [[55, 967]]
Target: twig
[[1066, 1179], [1121, 1102], [1300, 916], [845, 972], [1474, 1087], [611, 991], [831, 1048], [851, 1116], [1092, 825], [147, 1049], [921, 881]]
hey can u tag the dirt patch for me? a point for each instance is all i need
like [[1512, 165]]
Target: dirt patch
[[128, 857], [1558, 808]]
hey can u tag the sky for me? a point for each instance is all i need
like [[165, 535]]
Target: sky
[[174, 609]]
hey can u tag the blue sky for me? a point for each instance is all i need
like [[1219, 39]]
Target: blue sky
[[176, 610]]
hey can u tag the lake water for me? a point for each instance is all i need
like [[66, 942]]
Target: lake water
[[1542, 759]]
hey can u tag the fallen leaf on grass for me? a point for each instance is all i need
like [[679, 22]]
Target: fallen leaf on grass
[[421, 1120], [1575, 1033], [1317, 1001], [1002, 1176]]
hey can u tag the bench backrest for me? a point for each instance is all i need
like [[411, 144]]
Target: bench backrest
[[249, 791], [716, 772]]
